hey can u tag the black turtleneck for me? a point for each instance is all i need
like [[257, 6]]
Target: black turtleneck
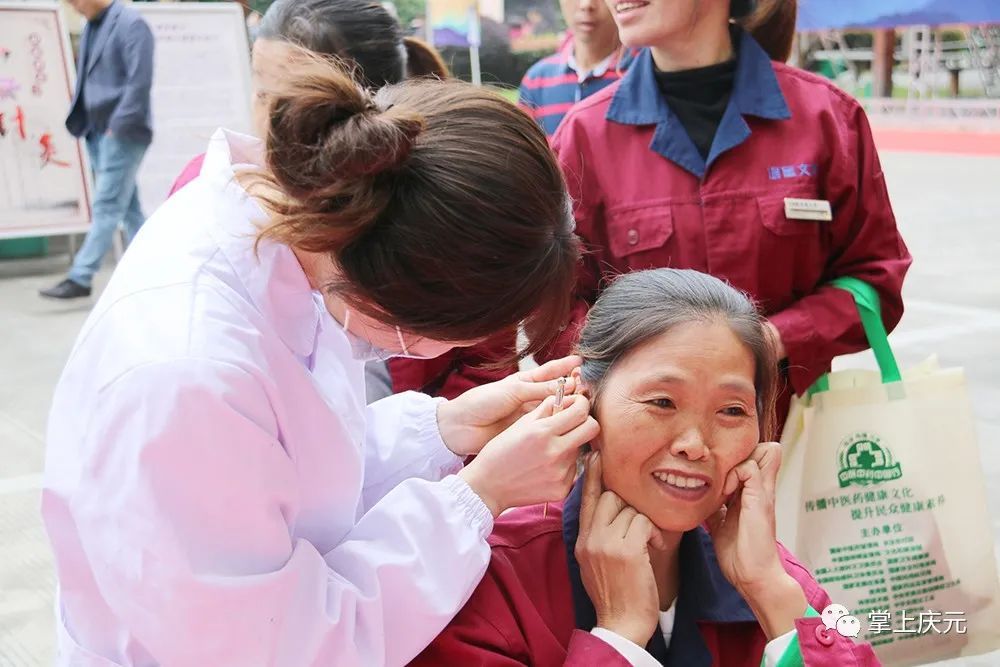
[[698, 97]]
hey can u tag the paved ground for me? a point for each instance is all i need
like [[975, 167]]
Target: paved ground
[[948, 207]]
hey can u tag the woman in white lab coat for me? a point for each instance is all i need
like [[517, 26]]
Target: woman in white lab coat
[[216, 491]]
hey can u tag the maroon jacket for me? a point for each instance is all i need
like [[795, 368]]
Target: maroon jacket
[[531, 608], [645, 198]]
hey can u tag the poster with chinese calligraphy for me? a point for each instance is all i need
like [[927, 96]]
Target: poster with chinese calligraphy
[[201, 82], [44, 183]]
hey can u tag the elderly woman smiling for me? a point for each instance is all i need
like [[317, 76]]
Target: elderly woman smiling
[[665, 551]]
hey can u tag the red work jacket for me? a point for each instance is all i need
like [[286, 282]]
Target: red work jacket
[[645, 198], [531, 608]]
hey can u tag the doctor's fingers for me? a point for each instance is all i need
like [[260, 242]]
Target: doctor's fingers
[[573, 412], [541, 410], [550, 371], [532, 392], [579, 435]]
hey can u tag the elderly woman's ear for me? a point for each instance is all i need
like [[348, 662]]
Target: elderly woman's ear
[[579, 385]]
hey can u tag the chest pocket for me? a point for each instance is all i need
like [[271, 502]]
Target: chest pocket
[[772, 216], [790, 255], [637, 236]]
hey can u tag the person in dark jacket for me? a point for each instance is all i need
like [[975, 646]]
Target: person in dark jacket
[[111, 111]]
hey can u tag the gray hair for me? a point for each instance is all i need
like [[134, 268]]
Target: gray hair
[[642, 305]]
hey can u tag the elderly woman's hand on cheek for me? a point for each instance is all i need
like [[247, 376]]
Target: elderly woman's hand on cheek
[[613, 552], [744, 536]]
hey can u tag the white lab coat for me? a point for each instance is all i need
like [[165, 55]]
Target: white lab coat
[[216, 492]]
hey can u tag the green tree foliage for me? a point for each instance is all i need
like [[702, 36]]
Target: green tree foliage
[[409, 10]]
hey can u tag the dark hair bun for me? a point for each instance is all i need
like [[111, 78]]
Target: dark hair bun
[[371, 142], [327, 129], [329, 149]]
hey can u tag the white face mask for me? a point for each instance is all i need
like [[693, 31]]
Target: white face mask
[[376, 353], [406, 352]]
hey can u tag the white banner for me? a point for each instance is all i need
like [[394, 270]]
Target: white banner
[[201, 82], [44, 177]]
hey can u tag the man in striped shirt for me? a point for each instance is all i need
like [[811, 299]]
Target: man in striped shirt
[[587, 62]]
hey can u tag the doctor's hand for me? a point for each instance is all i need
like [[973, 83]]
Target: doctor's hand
[[613, 552], [743, 531], [533, 461], [471, 420]]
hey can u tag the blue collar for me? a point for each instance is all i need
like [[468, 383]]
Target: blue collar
[[704, 594], [756, 92]]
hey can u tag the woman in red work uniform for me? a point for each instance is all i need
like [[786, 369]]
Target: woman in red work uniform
[[707, 155], [681, 375]]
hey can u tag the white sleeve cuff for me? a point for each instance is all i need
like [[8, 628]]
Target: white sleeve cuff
[[473, 507], [776, 648], [443, 458], [635, 654]]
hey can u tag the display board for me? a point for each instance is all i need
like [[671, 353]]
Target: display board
[[453, 22], [201, 82], [44, 176]]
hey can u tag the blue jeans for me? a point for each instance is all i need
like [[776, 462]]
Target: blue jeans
[[115, 163]]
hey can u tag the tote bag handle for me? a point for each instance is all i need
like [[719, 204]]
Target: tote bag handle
[[870, 310]]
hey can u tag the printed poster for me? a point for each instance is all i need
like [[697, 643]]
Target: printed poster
[[201, 82], [44, 183]]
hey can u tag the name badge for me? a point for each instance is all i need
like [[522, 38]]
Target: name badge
[[808, 209]]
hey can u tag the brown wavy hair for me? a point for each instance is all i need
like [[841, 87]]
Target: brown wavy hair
[[423, 60], [771, 22], [440, 203]]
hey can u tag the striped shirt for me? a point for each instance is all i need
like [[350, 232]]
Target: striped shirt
[[553, 85]]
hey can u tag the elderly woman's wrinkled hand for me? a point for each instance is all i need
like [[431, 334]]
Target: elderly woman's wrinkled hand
[[613, 552], [744, 535], [743, 529]]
